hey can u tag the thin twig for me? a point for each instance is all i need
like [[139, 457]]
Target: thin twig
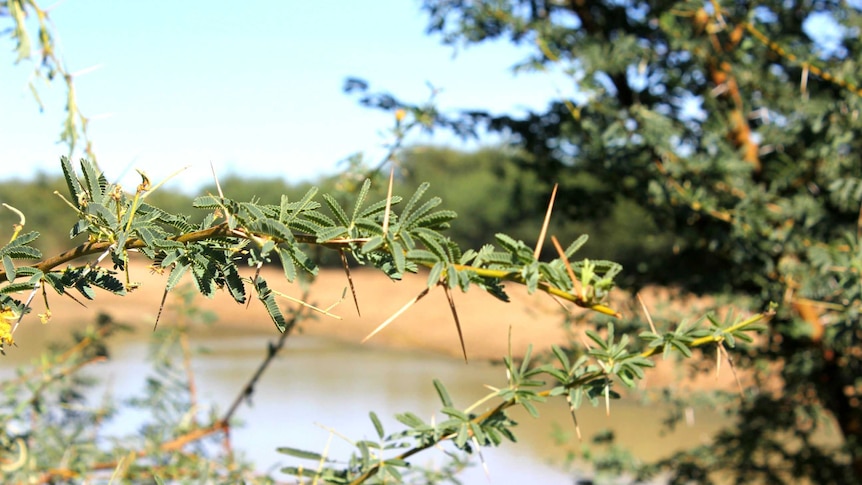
[[545, 224], [457, 321], [732, 369], [161, 308], [388, 200], [580, 381], [26, 306], [349, 280], [272, 351], [221, 425], [183, 330], [576, 287], [217, 184], [308, 305], [396, 314], [646, 312]]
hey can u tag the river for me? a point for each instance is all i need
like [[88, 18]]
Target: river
[[318, 384]]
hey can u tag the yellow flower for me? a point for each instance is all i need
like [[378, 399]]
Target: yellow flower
[[45, 317], [7, 317]]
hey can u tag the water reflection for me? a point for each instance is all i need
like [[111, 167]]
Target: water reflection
[[319, 384]]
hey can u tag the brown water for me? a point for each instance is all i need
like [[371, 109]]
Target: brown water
[[319, 384]]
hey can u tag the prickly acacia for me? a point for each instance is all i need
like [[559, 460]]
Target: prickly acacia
[[226, 250]]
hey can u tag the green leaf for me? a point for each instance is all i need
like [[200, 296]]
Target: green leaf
[[234, 283], [176, 274], [331, 233], [92, 181], [304, 204], [683, 349], [431, 241], [85, 290], [455, 413], [562, 357], [316, 218], [530, 274], [271, 228], [207, 202], [287, 264], [203, 273], [507, 242], [410, 419], [434, 274], [436, 220], [267, 297], [441, 391], [106, 281], [525, 364], [16, 287], [405, 214], [369, 227], [295, 452], [597, 339], [378, 207], [452, 277], [9, 267], [397, 251], [78, 228], [576, 245], [422, 256], [378, 426], [462, 437], [372, 244], [360, 199], [25, 238], [29, 271], [302, 225], [364, 452], [409, 222], [102, 213], [303, 260], [72, 182], [336, 209], [251, 210]]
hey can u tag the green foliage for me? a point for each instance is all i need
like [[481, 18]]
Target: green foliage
[[54, 431], [575, 375], [374, 234], [495, 187], [46, 213], [688, 125], [738, 132], [392, 237], [487, 188], [27, 16]]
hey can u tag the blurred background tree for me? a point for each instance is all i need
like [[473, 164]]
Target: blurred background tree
[[731, 132]]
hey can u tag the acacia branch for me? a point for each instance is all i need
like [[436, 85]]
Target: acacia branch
[[581, 381], [216, 232], [224, 231], [221, 425], [272, 352]]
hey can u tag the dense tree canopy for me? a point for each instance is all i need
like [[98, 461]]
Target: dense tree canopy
[[737, 127]]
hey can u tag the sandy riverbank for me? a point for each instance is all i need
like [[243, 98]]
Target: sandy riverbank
[[428, 325]]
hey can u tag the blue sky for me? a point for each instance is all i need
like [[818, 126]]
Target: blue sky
[[254, 88]]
